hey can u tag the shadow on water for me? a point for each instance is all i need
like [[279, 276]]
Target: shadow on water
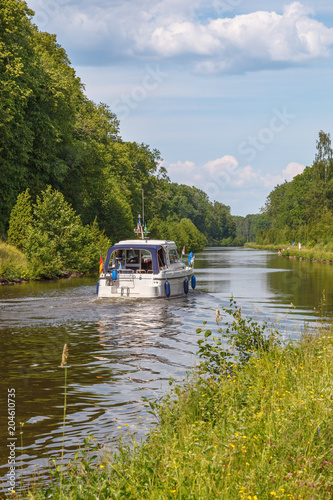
[[121, 350]]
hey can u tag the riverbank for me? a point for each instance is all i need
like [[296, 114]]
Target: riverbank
[[15, 269], [13, 264], [315, 254], [261, 431]]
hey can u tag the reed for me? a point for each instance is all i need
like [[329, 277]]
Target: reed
[[63, 365]]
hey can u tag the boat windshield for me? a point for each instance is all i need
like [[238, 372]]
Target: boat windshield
[[173, 256]]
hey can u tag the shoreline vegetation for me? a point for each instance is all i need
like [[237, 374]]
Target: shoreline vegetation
[[318, 253], [252, 427], [14, 268]]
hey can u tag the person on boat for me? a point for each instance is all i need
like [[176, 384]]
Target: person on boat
[[190, 258], [161, 260], [119, 258]]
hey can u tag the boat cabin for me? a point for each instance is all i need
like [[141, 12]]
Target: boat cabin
[[146, 256]]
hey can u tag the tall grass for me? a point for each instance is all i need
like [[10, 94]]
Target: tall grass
[[260, 430], [13, 263]]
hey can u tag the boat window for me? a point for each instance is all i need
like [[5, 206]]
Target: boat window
[[133, 256], [173, 256], [118, 259]]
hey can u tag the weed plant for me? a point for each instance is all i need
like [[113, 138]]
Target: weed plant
[[253, 423]]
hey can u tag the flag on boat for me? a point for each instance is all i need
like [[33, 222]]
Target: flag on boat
[[145, 230], [183, 251], [100, 264]]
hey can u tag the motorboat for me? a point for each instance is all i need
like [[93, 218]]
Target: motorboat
[[145, 268]]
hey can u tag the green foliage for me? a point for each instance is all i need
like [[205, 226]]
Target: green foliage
[[239, 242], [20, 220], [302, 209], [219, 223], [16, 79], [322, 229], [232, 242], [245, 336], [13, 263], [176, 202], [57, 241], [250, 226], [183, 233]]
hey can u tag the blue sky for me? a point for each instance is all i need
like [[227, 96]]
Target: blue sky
[[232, 92]]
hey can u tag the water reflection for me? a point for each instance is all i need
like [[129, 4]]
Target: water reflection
[[121, 350]]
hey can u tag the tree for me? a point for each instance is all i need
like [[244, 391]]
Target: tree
[[17, 74], [323, 160], [56, 239], [20, 220], [183, 233], [303, 206]]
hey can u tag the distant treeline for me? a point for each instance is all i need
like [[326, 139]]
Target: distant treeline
[[247, 228], [53, 136]]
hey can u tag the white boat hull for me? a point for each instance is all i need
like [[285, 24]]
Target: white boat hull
[[144, 285], [145, 268]]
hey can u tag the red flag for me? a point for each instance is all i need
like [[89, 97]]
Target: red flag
[[183, 251], [100, 264]]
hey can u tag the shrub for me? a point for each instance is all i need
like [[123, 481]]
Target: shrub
[[57, 241], [245, 336], [20, 220]]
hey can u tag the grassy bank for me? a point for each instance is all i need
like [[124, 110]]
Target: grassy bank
[[258, 429], [13, 264], [317, 253]]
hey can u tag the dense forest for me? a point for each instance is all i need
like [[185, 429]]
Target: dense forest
[[54, 140]]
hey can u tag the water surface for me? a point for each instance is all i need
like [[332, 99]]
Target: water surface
[[121, 350]]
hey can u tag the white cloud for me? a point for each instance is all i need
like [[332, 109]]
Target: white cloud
[[291, 170], [224, 175], [245, 41], [186, 168], [227, 163], [143, 29]]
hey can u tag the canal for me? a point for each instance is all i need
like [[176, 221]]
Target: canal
[[121, 349]]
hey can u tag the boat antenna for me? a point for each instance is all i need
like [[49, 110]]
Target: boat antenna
[[143, 209], [141, 229]]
